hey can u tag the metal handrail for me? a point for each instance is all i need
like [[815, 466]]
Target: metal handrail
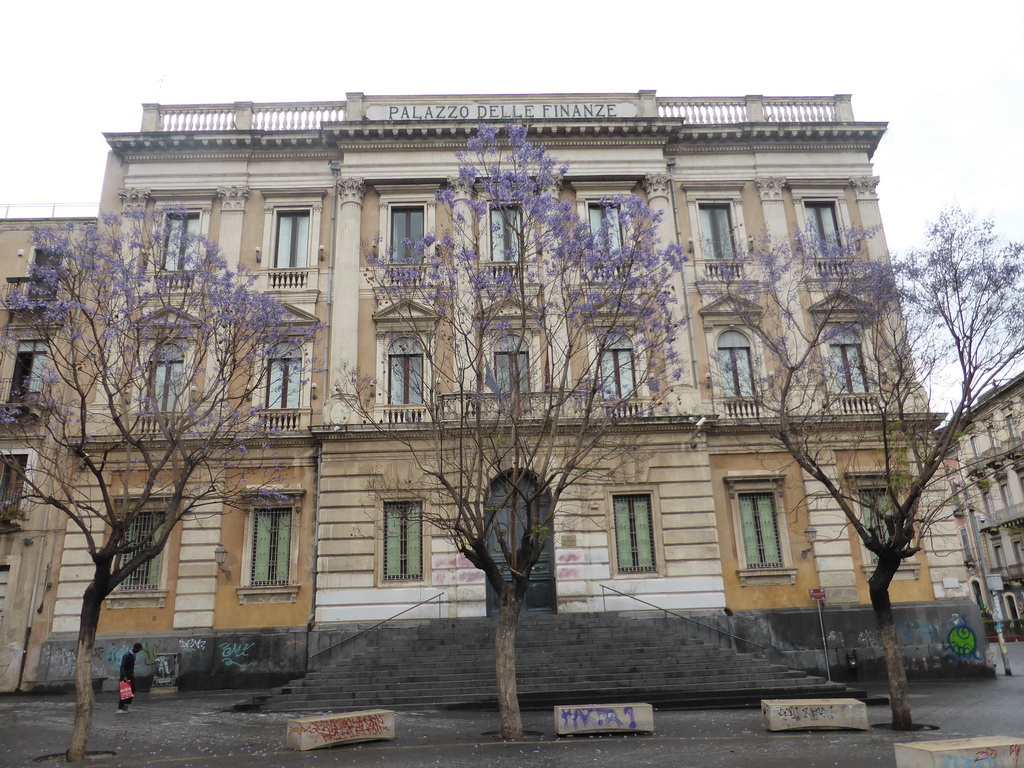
[[437, 597], [685, 618]]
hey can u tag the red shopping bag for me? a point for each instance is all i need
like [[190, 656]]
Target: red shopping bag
[[126, 690]]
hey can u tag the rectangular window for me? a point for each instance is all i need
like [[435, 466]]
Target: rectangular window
[[271, 546], [5, 578], [760, 527], [141, 532], [405, 379], [12, 482], [29, 364], [182, 230], [716, 232], [512, 372], [1004, 494], [604, 223], [876, 512], [821, 221], [168, 380], [506, 223], [848, 366], [403, 540], [634, 533], [406, 230], [997, 556], [285, 382], [617, 372], [292, 239], [43, 277], [965, 541]]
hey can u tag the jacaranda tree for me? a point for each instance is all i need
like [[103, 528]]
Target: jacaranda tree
[[846, 351], [136, 392], [521, 340]]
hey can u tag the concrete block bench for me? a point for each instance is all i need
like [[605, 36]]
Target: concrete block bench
[[813, 714], [981, 752], [604, 718], [347, 728]]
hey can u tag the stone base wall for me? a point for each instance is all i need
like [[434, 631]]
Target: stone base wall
[[201, 660], [941, 640]]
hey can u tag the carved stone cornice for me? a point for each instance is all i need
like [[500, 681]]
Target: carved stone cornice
[[134, 197], [233, 198], [657, 184], [351, 190], [864, 187], [770, 187]]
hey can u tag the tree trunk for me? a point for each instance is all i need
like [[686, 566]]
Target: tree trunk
[[899, 697], [84, 698], [509, 604]]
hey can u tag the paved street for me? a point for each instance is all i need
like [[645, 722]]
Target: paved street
[[201, 729]]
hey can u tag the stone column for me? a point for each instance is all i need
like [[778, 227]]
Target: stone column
[[659, 198], [870, 216], [769, 189], [232, 210], [347, 278]]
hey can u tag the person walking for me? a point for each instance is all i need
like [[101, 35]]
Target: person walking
[[128, 675]]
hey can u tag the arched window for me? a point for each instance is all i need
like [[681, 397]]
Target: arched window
[[405, 372], [285, 377], [618, 375], [735, 365], [511, 366]]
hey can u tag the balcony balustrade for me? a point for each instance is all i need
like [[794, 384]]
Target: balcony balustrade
[[530, 405], [740, 408], [293, 279], [407, 413], [284, 419], [855, 405], [1013, 514], [1014, 572], [723, 269]]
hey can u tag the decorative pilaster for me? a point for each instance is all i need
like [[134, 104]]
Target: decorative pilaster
[[232, 210], [769, 189], [870, 216], [659, 198], [346, 277]]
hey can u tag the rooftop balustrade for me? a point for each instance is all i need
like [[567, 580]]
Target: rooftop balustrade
[[310, 116]]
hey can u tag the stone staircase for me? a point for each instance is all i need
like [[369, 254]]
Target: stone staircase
[[563, 659]]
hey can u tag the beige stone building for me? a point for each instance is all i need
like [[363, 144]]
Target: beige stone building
[[298, 193]]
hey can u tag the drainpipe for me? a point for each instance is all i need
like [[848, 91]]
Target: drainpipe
[[993, 601], [671, 164]]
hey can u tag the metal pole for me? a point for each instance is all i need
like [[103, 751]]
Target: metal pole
[[824, 644], [994, 604]]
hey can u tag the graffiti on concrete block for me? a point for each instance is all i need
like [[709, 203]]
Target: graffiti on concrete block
[[236, 654], [166, 670], [345, 728], [597, 717], [192, 644]]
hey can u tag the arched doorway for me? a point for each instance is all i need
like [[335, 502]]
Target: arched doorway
[[509, 500]]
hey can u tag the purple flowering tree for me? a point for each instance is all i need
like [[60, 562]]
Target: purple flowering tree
[[846, 349], [521, 343], [139, 354]]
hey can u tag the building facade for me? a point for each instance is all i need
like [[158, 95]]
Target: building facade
[[709, 516], [989, 503]]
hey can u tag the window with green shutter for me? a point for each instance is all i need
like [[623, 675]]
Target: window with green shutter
[[760, 530], [634, 538], [403, 540], [271, 547]]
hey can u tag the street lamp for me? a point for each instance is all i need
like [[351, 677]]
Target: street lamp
[[220, 555]]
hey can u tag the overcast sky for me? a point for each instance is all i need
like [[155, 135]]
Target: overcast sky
[[947, 77]]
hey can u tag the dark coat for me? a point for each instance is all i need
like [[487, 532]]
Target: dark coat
[[128, 667]]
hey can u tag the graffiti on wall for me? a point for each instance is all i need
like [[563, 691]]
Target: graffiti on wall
[[236, 654]]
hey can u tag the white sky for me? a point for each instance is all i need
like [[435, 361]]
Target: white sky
[[948, 77]]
